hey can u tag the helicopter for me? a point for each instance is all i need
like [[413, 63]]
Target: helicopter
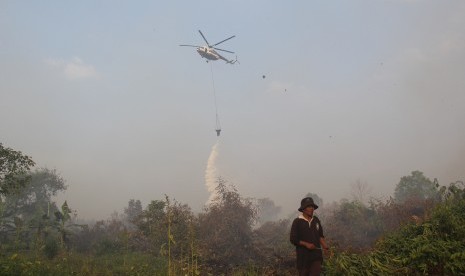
[[208, 51]]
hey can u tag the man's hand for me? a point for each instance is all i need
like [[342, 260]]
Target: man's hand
[[308, 245], [327, 252]]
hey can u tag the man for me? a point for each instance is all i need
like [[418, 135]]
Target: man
[[307, 236]]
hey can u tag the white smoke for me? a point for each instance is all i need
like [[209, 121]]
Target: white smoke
[[211, 173]]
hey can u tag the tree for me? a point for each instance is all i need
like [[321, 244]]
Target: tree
[[434, 246], [14, 167], [318, 200], [152, 217], [353, 225], [360, 191], [160, 215], [35, 198], [133, 211], [267, 210], [62, 217], [417, 187], [225, 229], [32, 204]]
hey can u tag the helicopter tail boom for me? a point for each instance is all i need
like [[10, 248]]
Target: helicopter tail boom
[[232, 61]]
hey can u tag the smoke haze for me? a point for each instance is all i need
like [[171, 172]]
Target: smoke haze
[[101, 92]]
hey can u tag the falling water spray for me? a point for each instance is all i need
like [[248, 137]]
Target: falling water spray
[[211, 173]]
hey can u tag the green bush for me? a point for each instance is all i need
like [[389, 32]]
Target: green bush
[[435, 246], [51, 247]]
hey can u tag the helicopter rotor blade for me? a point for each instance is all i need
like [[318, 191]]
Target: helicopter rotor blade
[[223, 50], [204, 38], [190, 45], [224, 40]]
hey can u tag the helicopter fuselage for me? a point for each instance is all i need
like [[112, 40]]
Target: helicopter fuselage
[[208, 53]]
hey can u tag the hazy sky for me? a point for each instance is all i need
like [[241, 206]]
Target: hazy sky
[[365, 91]]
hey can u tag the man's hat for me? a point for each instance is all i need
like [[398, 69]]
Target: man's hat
[[308, 201]]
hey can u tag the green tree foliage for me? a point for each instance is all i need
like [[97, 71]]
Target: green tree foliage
[[415, 186], [133, 211], [418, 235], [225, 229], [14, 167], [153, 222], [105, 237], [62, 219], [180, 219], [351, 224], [437, 245], [35, 198], [33, 206], [455, 192], [393, 214], [434, 246]]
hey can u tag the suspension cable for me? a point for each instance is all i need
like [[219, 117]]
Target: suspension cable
[[218, 126]]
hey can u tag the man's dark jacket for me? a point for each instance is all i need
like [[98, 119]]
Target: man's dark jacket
[[309, 231]]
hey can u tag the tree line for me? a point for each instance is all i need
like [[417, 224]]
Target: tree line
[[417, 231]]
